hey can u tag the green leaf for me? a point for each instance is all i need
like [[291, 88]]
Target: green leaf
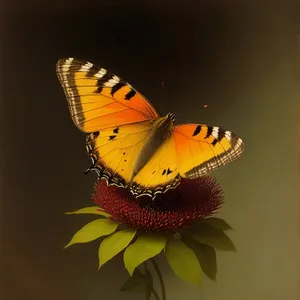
[[114, 244], [139, 283], [96, 210], [206, 256], [183, 261], [218, 223], [93, 230], [145, 247], [206, 234]]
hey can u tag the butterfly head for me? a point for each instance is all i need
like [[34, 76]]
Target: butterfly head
[[171, 116]]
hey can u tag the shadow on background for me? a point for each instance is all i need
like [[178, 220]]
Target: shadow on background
[[242, 59]]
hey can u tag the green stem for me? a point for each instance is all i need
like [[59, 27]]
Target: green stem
[[146, 269], [155, 294], [153, 291], [163, 291]]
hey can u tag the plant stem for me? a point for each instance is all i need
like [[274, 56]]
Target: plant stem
[[153, 291], [155, 294], [146, 269], [163, 291]]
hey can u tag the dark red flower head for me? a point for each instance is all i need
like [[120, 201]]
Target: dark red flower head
[[176, 209]]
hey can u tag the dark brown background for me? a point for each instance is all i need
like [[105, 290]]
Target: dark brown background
[[239, 57]]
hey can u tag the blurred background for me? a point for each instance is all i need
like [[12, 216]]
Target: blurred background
[[241, 58]]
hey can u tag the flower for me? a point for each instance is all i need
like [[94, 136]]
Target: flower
[[177, 222], [176, 209]]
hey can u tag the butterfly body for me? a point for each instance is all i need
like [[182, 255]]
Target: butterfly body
[[129, 143]]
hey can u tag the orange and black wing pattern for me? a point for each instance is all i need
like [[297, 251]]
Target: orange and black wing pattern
[[99, 99], [201, 149], [120, 123]]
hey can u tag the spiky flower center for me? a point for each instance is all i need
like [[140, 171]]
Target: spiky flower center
[[176, 209]]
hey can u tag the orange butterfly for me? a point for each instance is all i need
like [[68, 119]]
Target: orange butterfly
[[130, 144]]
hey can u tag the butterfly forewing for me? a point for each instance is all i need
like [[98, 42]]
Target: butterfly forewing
[[99, 99], [202, 149]]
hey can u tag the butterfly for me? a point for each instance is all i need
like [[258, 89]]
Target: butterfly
[[129, 143]]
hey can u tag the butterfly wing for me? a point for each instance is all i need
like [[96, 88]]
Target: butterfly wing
[[160, 173], [201, 149], [99, 99], [114, 151], [192, 151], [116, 116]]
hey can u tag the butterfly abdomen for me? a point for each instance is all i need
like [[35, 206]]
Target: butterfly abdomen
[[162, 130]]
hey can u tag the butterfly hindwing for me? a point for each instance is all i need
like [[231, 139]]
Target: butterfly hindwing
[[99, 99], [114, 150], [160, 173], [202, 149]]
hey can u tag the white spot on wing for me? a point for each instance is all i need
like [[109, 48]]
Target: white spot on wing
[[66, 66], [69, 61], [101, 73], [239, 142], [86, 67], [215, 132], [112, 82], [228, 135]]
